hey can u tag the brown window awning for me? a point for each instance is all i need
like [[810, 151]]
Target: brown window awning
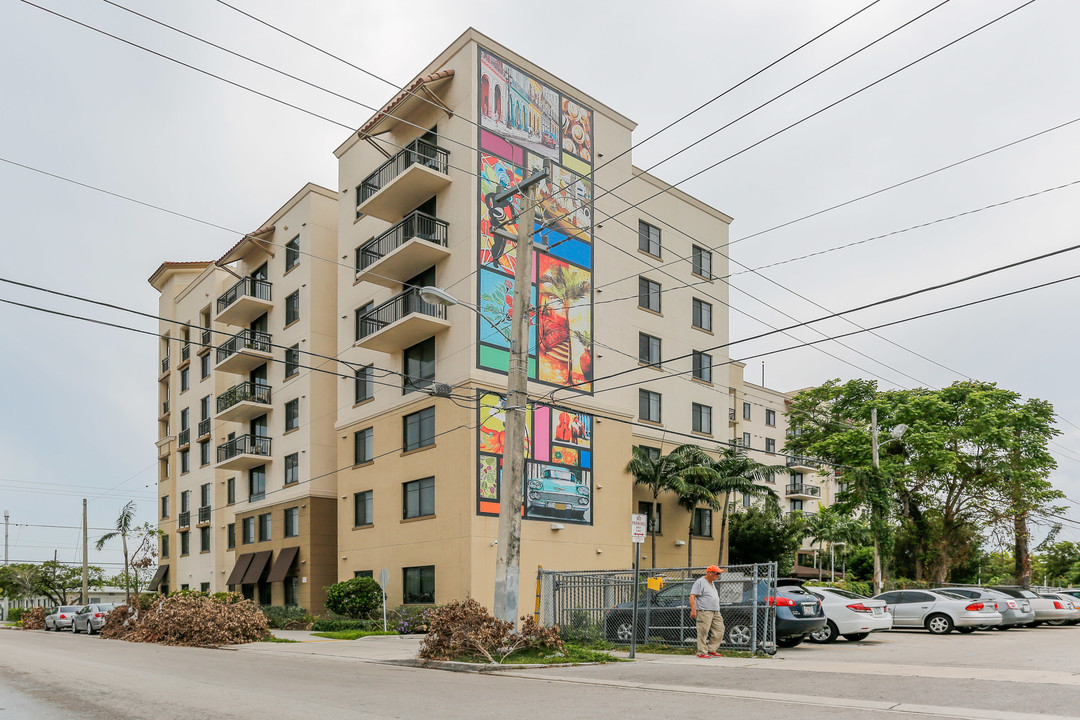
[[283, 564], [239, 569], [257, 568], [159, 576]]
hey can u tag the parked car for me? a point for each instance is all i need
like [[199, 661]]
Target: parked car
[[849, 615], [559, 489], [1044, 609], [1068, 603], [61, 617], [938, 611], [91, 618], [1014, 612], [798, 613]]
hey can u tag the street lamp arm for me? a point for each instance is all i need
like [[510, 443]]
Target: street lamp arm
[[437, 296]]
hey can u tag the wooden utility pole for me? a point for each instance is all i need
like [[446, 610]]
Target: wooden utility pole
[[877, 468], [85, 560]]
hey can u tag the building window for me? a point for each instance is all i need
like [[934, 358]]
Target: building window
[[364, 573], [185, 543], [358, 318], [185, 461], [204, 539], [204, 452], [164, 546], [264, 527], [231, 535], [292, 591], [648, 296], [204, 495], [164, 506], [702, 418], [702, 366], [648, 349], [702, 526], [794, 505], [702, 263], [204, 587], [185, 379], [747, 500], [419, 366], [648, 238], [292, 468], [746, 439], [418, 498], [204, 409], [646, 508], [292, 415], [292, 361], [185, 501], [204, 366], [652, 452], [292, 308], [363, 446], [257, 483], [365, 385], [770, 418], [746, 411], [185, 419], [418, 429], [230, 491], [419, 584], [292, 522], [364, 508], [649, 405], [249, 530], [770, 445], [702, 315], [292, 253]]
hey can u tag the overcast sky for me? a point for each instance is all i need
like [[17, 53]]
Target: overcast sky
[[78, 399]]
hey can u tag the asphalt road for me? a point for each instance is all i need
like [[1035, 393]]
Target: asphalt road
[[1003, 676]]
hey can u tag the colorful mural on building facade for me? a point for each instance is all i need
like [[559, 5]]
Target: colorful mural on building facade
[[523, 125], [558, 466]]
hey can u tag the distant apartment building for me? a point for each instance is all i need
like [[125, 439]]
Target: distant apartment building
[[392, 458]]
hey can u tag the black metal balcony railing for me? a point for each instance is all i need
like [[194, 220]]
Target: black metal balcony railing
[[204, 514], [205, 338], [244, 445], [185, 352], [246, 287], [731, 414], [184, 519], [245, 391], [165, 408], [184, 438], [204, 427], [802, 489], [801, 461], [418, 151], [244, 340], [395, 309], [415, 224], [165, 364]]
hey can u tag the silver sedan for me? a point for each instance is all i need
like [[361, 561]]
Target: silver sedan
[[937, 611], [61, 617], [91, 618]]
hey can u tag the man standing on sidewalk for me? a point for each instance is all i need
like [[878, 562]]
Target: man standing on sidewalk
[[705, 608]]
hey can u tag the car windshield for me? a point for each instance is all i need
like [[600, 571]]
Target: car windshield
[[1028, 594], [70, 608], [106, 607]]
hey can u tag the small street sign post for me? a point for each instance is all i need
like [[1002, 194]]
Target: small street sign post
[[384, 577], [638, 527]]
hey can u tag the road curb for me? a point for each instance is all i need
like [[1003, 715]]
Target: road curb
[[454, 666]]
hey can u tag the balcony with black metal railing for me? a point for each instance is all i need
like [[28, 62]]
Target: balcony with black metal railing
[[184, 438], [243, 401], [802, 490], [183, 520], [243, 302], [185, 354], [204, 428], [404, 181], [243, 452], [244, 351], [401, 322], [800, 461], [401, 252], [204, 515], [164, 364], [205, 341], [165, 409]]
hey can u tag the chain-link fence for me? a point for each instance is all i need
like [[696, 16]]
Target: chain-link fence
[[592, 605]]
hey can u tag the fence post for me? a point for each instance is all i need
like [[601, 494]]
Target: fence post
[[539, 576], [754, 609]]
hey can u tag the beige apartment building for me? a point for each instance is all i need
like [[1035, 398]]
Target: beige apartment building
[[391, 459]]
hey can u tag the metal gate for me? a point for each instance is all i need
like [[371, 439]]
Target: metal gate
[[591, 605]]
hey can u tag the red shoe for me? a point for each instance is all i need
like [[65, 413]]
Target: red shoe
[[704, 655], [715, 654]]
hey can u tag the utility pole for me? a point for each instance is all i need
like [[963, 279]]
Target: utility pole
[[85, 560], [511, 495], [6, 601], [877, 468]]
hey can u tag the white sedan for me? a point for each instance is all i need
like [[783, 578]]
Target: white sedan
[[850, 615]]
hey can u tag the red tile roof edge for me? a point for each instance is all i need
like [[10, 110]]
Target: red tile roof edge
[[400, 97]]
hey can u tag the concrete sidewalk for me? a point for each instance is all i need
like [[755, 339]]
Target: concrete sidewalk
[[374, 648]]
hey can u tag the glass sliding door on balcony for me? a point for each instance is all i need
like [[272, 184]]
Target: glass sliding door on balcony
[[242, 452], [244, 301], [401, 322], [244, 351], [417, 242], [404, 181]]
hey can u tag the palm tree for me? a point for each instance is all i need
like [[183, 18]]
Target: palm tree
[[833, 525], [658, 473], [737, 472], [567, 285], [124, 527], [695, 485]]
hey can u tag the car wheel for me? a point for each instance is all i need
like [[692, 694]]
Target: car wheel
[[939, 624], [855, 637], [89, 628], [1003, 628], [789, 642], [965, 630], [739, 634], [826, 634], [1056, 623], [620, 631], [74, 628]]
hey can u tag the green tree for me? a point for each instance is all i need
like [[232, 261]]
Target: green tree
[[658, 473], [125, 526], [765, 534], [695, 485], [355, 598], [1061, 560], [833, 525]]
